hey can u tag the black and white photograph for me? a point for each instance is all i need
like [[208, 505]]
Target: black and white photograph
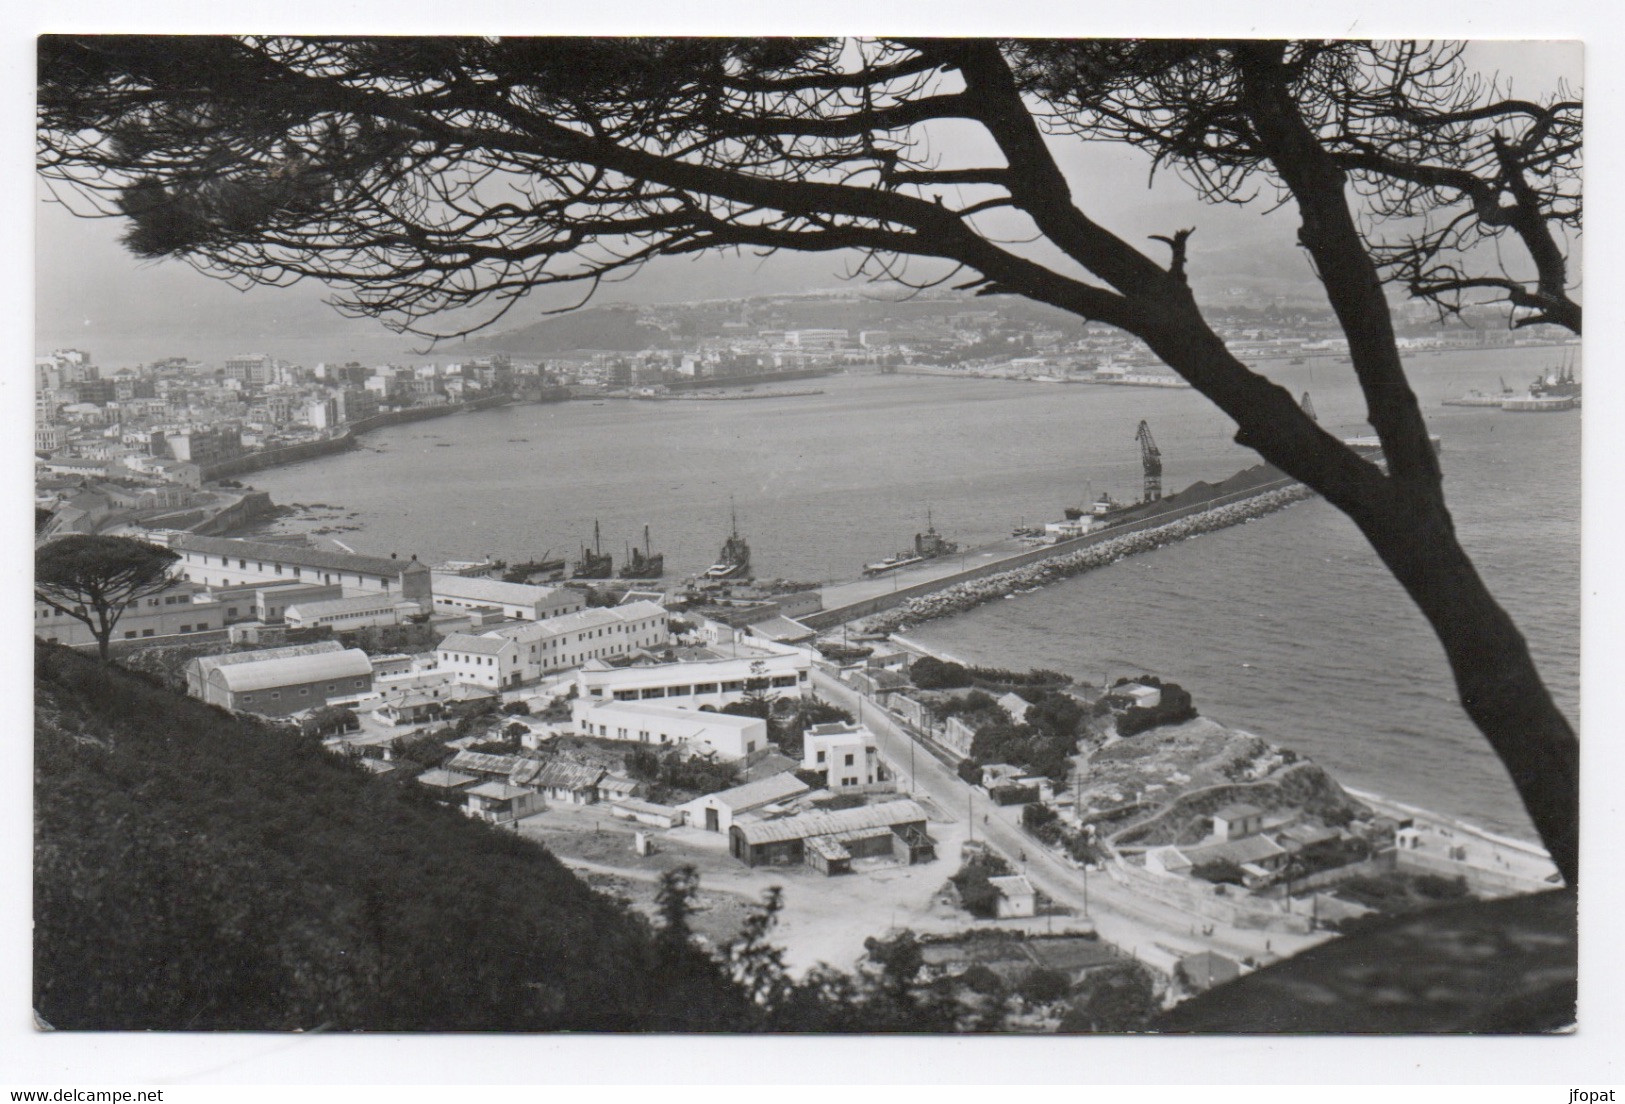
[[686, 535]]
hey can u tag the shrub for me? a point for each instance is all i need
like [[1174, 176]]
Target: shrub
[[1013, 795], [930, 673], [1439, 888], [976, 894], [970, 771], [1037, 815], [517, 708], [1219, 871], [1043, 986]]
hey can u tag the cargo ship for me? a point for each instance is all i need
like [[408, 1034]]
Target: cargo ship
[[1550, 391], [543, 570], [928, 545], [643, 564], [596, 564], [733, 563], [1476, 397]]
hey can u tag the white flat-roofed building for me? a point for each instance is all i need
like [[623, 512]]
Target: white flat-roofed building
[[847, 756], [519, 601], [560, 643], [489, 661], [700, 683], [290, 684], [701, 732], [344, 614]]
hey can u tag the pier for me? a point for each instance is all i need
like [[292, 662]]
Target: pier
[[844, 602]]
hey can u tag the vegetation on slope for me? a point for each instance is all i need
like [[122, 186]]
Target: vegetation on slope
[[199, 871]]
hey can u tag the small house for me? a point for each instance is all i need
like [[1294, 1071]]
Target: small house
[[559, 780], [502, 802], [1237, 821], [1016, 896]]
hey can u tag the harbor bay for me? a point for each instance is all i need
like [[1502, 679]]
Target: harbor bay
[[1286, 626]]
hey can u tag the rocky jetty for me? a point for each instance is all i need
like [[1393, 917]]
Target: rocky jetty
[[966, 595]]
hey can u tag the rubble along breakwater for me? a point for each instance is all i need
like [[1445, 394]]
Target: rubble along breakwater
[[967, 595]]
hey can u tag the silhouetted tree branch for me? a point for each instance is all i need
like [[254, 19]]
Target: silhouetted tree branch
[[420, 176]]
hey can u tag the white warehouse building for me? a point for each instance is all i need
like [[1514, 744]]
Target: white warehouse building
[[518, 601], [702, 683], [700, 732], [560, 643], [344, 614]]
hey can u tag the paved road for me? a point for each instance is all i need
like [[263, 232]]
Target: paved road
[[1154, 932]]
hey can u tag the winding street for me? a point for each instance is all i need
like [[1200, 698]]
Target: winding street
[[1156, 933]]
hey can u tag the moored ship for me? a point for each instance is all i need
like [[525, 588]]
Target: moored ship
[[1539, 404], [596, 563], [642, 563], [928, 545], [544, 570], [733, 563], [1476, 397], [1554, 390]]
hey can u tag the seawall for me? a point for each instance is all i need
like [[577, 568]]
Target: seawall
[[310, 450], [963, 590]]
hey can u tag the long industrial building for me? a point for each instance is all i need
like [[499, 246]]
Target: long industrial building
[[223, 562]]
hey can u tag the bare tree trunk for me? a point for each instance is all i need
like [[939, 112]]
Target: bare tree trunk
[[1405, 517]]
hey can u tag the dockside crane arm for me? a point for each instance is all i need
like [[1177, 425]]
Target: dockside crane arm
[[1151, 458]]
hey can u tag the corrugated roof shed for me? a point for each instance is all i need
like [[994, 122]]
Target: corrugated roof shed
[[501, 791], [555, 774], [209, 663], [294, 670], [444, 779], [761, 792], [888, 814], [483, 762]]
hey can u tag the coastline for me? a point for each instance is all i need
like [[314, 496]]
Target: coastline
[[1500, 861]]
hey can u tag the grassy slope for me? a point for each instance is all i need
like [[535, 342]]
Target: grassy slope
[[195, 870]]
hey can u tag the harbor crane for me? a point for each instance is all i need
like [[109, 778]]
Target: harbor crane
[[1151, 458]]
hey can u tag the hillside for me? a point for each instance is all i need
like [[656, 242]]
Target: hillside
[[613, 329], [196, 871]]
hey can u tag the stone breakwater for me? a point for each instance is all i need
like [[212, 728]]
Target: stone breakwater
[[966, 595]]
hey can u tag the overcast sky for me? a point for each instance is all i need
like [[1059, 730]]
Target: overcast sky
[[92, 294]]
